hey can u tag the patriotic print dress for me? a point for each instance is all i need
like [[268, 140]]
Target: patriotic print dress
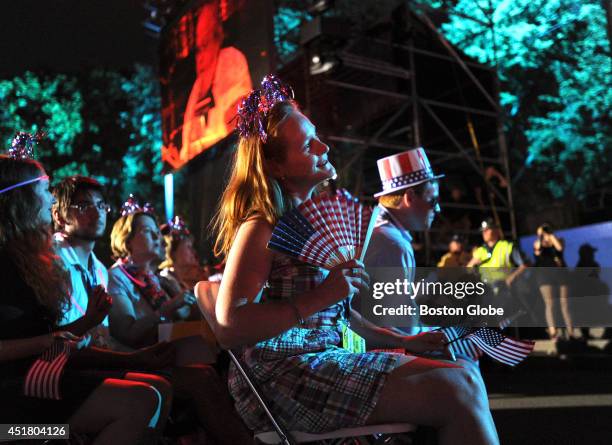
[[310, 381]]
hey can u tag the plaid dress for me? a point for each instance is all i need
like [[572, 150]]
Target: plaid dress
[[311, 383]]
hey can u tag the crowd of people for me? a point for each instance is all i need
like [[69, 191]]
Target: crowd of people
[[96, 329], [500, 262]]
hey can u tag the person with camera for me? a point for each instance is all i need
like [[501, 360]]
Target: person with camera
[[548, 252]]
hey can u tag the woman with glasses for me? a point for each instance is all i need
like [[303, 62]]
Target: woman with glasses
[[140, 304]]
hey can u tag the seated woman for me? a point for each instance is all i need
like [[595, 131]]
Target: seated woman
[[292, 343], [140, 304], [116, 408], [180, 270]]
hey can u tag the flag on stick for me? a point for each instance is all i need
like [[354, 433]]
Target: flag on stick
[[42, 379]]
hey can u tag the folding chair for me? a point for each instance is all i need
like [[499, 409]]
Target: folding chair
[[207, 296]]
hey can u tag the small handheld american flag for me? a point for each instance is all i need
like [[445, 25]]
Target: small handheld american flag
[[496, 345], [326, 230], [43, 377]]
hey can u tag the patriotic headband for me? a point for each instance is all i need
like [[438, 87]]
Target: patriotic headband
[[131, 206], [22, 147], [176, 226], [254, 109]]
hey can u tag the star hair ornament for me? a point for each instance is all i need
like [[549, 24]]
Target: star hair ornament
[[22, 147], [176, 227], [131, 206], [254, 110]]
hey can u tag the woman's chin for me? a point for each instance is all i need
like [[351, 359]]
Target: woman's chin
[[330, 171]]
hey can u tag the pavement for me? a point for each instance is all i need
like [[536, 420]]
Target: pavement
[[553, 399]]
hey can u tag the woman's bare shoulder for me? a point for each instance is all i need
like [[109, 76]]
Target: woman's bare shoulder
[[255, 227]]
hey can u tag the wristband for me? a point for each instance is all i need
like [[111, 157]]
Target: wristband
[[296, 311]]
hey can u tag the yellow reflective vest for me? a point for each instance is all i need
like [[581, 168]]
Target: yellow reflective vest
[[495, 265]]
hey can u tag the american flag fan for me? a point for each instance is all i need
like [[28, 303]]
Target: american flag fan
[[496, 345], [326, 230], [43, 377]]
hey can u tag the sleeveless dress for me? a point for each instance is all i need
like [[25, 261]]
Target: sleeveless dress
[[311, 383], [551, 262]]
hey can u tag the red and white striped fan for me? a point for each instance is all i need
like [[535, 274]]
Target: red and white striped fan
[[326, 230]]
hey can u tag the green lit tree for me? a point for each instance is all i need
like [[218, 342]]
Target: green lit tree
[[553, 60], [105, 124]]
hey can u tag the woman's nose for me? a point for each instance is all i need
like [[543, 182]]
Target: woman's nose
[[322, 148]]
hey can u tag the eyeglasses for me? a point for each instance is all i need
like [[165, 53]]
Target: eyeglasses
[[85, 206], [433, 202]]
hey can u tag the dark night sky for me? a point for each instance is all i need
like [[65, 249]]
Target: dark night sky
[[71, 35]]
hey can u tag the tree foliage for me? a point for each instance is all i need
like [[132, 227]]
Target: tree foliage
[[105, 124], [553, 60]]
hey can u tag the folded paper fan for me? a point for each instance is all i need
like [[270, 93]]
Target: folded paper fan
[[326, 230]]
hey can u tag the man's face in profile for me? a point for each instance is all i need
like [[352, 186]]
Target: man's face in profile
[[208, 40]]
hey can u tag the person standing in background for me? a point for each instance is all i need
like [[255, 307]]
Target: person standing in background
[[456, 255], [551, 279]]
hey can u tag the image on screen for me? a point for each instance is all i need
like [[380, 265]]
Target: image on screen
[[206, 67]]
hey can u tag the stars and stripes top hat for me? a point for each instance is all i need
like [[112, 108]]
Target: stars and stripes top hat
[[403, 170]]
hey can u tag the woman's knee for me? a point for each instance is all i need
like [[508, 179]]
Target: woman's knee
[[464, 389], [134, 398], [163, 386]]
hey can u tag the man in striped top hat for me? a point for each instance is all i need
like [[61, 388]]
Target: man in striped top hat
[[408, 202]]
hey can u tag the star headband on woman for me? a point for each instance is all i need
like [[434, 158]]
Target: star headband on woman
[[131, 206], [178, 225], [22, 147], [175, 226], [254, 109]]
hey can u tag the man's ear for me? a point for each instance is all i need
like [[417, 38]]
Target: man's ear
[[57, 218], [408, 197]]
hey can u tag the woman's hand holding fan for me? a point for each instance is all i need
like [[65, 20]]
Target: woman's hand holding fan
[[344, 281]]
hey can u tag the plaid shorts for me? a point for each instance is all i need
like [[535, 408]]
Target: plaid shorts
[[311, 383]]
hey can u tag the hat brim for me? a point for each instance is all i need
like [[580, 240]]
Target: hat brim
[[404, 187], [482, 229]]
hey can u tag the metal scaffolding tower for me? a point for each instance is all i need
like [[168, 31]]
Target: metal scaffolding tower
[[402, 86]]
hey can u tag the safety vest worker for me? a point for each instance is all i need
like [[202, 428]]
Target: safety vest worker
[[497, 259]]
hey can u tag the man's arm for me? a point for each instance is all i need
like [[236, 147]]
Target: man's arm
[[519, 261], [375, 336]]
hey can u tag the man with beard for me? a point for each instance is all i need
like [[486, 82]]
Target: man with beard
[[79, 215]]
